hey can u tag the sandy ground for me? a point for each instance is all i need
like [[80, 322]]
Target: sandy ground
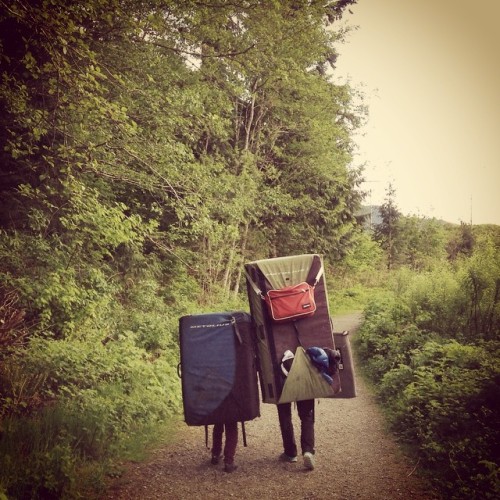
[[356, 458]]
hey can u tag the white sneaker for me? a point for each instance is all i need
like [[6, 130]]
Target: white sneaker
[[309, 460]]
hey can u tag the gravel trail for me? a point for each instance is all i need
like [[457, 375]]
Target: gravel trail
[[356, 458]]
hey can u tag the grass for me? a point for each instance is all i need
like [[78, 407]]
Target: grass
[[355, 298]]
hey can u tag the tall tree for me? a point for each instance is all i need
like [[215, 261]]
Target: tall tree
[[212, 123], [387, 230], [461, 243], [280, 145]]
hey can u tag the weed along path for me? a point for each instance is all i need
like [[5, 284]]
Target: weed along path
[[355, 459]]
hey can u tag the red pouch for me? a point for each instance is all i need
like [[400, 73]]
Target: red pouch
[[291, 302]]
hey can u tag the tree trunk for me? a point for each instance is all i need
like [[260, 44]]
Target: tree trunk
[[243, 248]]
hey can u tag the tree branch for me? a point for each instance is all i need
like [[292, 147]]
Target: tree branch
[[196, 54]]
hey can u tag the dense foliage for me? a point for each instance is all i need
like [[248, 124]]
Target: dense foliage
[[431, 346], [147, 150]]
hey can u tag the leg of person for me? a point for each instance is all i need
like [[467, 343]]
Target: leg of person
[[306, 415], [217, 442], [287, 434], [231, 430]]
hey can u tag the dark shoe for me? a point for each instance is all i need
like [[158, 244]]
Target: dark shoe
[[230, 467], [215, 459], [286, 458]]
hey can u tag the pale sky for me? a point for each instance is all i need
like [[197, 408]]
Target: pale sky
[[430, 71]]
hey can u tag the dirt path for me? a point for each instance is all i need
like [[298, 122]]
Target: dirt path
[[355, 459]]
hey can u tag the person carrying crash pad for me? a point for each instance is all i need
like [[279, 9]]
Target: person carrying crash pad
[[231, 430], [305, 410], [325, 361]]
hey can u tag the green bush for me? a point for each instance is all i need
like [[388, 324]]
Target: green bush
[[70, 403], [441, 396], [384, 343], [480, 279], [459, 300], [36, 457], [436, 302], [448, 402]]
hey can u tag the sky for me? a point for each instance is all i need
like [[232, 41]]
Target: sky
[[429, 71]]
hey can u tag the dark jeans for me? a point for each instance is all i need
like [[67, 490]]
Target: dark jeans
[[305, 410], [231, 430]]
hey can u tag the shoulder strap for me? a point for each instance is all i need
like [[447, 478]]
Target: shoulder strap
[[297, 332], [318, 276], [256, 289], [236, 329]]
